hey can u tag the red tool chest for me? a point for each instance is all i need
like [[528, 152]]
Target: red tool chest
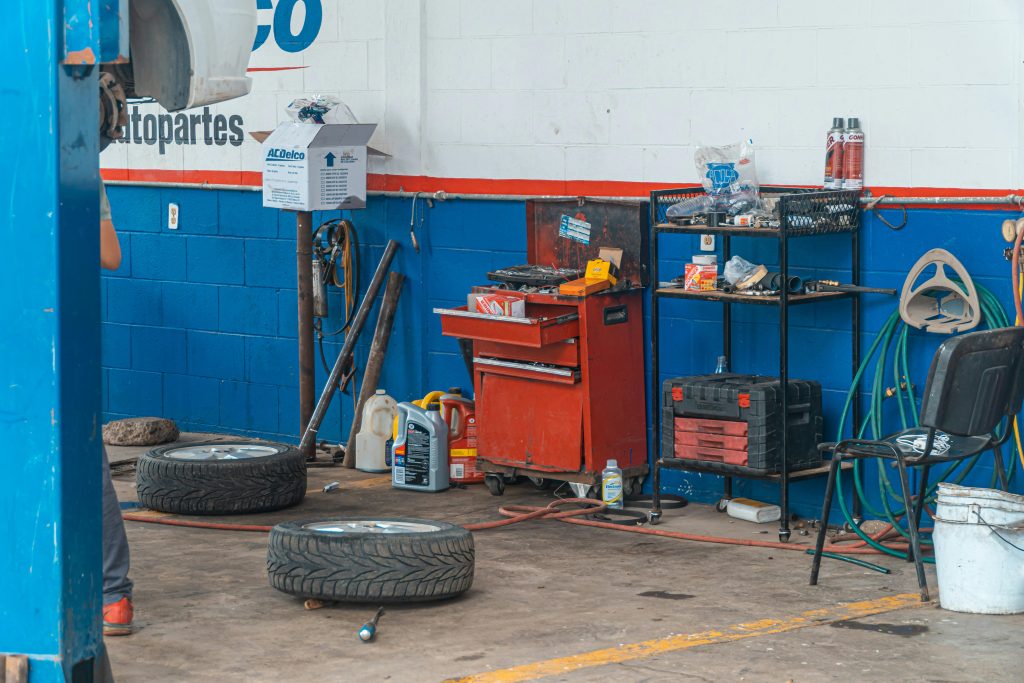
[[560, 391]]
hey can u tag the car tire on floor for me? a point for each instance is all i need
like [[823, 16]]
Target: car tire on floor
[[371, 559], [221, 478]]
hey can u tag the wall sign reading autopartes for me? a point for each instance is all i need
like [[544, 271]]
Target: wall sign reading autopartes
[[187, 128]]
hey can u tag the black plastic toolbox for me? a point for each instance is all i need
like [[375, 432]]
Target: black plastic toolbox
[[756, 401]]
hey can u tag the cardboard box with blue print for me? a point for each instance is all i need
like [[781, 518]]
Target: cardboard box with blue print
[[313, 167]]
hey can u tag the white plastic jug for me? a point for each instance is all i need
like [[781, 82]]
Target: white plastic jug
[[375, 432]]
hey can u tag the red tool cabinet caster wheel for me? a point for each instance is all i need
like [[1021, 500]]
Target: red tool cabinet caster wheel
[[495, 484], [722, 504]]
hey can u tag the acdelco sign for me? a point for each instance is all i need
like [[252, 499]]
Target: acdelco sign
[[278, 154], [281, 26]]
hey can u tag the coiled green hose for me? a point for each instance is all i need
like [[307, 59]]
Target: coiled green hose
[[993, 317]]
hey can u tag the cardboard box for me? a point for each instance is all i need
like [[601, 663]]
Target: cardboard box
[[311, 167], [601, 270], [583, 287], [501, 304], [699, 278]]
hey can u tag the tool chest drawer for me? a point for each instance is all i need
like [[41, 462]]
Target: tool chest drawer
[[729, 456], [534, 371], [535, 332], [716, 427], [704, 440], [527, 423], [565, 353]]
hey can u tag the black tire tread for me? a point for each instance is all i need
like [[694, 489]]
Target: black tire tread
[[221, 487], [383, 568]]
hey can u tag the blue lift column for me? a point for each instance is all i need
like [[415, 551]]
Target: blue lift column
[[50, 577]]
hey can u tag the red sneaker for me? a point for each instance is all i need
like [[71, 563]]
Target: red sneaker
[[117, 618]]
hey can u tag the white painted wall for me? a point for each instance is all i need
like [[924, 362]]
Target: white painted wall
[[624, 90]]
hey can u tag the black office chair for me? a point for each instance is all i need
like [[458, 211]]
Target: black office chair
[[975, 380]]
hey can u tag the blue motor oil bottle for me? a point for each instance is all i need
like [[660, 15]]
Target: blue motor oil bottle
[[420, 451]]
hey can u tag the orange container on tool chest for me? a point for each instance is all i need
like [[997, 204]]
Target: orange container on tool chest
[[560, 391]]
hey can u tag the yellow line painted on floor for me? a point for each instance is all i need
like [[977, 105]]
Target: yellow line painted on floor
[[366, 483], [658, 646]]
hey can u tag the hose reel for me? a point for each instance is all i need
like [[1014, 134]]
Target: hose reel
[[940, 304]]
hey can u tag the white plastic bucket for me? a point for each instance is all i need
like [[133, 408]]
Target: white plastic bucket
[[979, 568]]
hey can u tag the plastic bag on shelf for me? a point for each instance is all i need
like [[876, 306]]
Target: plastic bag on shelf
[[320, 109], [738, 269], [729, 176]]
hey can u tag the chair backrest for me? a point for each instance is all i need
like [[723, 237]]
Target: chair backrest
[[975, 380]]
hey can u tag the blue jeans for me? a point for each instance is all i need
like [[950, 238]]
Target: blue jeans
[[116, 559]]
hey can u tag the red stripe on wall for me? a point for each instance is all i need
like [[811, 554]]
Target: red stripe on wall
[[508, 186], [259, 69]]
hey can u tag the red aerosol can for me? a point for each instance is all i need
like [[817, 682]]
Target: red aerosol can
[[853, 156], [834, 155]]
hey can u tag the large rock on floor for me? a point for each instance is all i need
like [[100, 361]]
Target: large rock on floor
[[140, 431]]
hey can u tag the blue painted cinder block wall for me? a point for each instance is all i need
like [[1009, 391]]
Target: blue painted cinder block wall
[[199, 324]]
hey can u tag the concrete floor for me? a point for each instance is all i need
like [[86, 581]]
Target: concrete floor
[[543, 590]]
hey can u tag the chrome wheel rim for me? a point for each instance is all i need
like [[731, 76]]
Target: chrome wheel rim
[[221, 451], [370, 526]]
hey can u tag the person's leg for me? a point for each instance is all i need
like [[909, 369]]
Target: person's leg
[[116, 584]]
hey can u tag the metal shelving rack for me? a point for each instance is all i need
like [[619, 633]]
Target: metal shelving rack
[[804, 213]]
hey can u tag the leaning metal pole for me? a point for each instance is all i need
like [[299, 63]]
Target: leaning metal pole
[[304, 270], [347, 349]]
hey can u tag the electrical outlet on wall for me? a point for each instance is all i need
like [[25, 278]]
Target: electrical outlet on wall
[[172, 216], [707, 242]]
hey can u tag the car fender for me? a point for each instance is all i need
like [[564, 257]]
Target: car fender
[[191, 53]]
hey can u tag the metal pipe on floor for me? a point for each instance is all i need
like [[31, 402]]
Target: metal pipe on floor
[[347, 349], [304, 270]]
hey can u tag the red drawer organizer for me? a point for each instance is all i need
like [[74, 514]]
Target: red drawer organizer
[[715, 440]]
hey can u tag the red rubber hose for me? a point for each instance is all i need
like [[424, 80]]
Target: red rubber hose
[[521, 513], [196, 525]]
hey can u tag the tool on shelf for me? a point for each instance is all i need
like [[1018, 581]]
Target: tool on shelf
[[814, 286]]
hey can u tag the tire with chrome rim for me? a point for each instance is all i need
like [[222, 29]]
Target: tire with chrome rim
[[371, 559], [221, 478]]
